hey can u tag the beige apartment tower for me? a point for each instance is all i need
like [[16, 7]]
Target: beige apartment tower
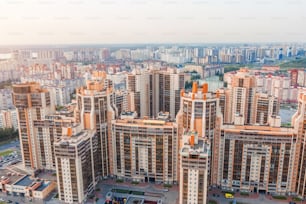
[[75, 156], [95, 110], [33, 104], [145, 150], [242, 104], [154, 91], [299, 167], [194, 166]]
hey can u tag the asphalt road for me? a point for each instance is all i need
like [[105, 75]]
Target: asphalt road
[[11, 145]]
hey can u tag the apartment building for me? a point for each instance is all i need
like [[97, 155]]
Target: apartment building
[[33, 104], [200, 112], [194, 168], [75, 158], [8, 118], [154, 91], [6, 101], [299, 167], [95, 110], [39, 125], [256, 158], [242, 102], [145, 150]]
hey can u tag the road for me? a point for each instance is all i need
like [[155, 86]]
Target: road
[[19, 199], [261, 200], [11, 145]]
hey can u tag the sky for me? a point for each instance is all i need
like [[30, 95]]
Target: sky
[[24, 22]]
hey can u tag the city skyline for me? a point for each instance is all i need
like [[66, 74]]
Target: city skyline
[[116, 22]]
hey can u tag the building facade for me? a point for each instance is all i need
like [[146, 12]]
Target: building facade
[[256, 158], [75, 158], [145, 150], [194, 168], [33, 104], [154, 91], [95, 110]]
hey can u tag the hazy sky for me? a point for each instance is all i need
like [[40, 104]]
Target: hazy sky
[[155, 21]]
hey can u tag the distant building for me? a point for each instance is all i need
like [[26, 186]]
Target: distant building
[[6, 100], [8, 119], [153, 91], [242, 104]]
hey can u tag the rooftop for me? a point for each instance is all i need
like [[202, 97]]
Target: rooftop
[[43, 186], [135, 200], [25, 181], [201, 148], [259, 129], [144, 122], [9, 176]]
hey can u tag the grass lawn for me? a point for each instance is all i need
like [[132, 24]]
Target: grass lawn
[[212, 202], [279, 197], [125, 191], [244, 193], [297, 199], [6, 152], [297, 63]]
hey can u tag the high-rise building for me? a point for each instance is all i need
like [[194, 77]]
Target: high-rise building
[[299, 166], [241, 104], [154, 91], [75, 156], [200, 112], [145, 150], [33, 104], [6, 101], [194, 168], [95, 110], [255, 159], [8, 119]]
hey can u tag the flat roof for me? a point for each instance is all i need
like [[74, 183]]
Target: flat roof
[[259, 129], [43, 186], [13, 177], [25, 181], [135, 200], [143, 123]]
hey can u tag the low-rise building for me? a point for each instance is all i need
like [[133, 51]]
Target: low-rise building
[[25, 185]]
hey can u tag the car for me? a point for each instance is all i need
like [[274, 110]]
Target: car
[[228, 195], [1, 199], [291, 202], [9, 201]]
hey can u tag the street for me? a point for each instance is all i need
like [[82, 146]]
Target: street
[[11, 145]]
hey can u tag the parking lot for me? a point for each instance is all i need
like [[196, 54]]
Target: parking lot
[[9, 154], [253, 198]]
